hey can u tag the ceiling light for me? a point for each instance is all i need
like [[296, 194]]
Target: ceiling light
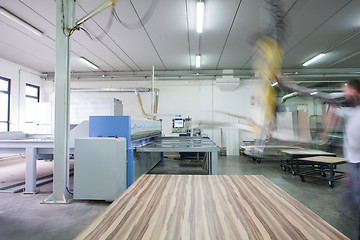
[[274, 84], [313, 93], [314, 59], [199, 16], [197, 60], [88, 63], [18, 20]]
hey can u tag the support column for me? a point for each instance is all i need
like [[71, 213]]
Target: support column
[[30, 173], [213, 163], [62, 97]]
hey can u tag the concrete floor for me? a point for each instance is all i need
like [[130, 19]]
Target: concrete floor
[[23, 217]]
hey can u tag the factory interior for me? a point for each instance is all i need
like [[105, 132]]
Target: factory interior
[[164, 119]]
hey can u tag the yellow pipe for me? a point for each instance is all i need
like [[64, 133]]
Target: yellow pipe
[[142, 108]]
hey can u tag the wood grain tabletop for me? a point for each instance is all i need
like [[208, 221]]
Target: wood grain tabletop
[[207, 207], [309, 152], [324, 159]]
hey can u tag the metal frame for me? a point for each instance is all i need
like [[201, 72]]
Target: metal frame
[[38, 92], [324, 168], [289, 162], [258, 152], [33, 148], [8, 93]]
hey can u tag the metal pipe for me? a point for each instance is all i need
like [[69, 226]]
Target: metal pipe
[[152, 89], [95, 11], [112, 90], [290, 95], [336, 92], [212, 73], [156, 102]]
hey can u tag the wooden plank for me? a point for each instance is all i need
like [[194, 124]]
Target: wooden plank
[[207, 207], [314, 152], [324, 159]]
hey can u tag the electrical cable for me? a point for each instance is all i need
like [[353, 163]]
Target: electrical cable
[[71, 172], [142, 20], [114, 14], [67, 189], [104, 32]]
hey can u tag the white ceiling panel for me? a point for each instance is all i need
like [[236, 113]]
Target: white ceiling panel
[[162, 33], [171, 42], [307, 19], [218, 20], [238, 47], [346, 56], [25, 44]]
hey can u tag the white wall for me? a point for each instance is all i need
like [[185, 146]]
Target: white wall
[[198, 99], [313, 107], [19, 76]]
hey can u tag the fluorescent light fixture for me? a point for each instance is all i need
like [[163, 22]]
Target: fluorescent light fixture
[[314, 59], [88, 63], [21, 22], [313, 93], [199, 16], [274, 84], [197, 60]]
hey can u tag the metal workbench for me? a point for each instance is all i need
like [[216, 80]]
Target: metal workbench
[[322, 164], [289, 161], [185, 144]]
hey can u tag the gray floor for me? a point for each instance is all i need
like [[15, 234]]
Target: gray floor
[[23, 217]]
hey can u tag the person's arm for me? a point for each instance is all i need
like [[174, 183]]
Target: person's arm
[[330, 119]]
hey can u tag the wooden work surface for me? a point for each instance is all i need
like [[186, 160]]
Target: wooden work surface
[[207, 207], [301, 152], [324, 159]]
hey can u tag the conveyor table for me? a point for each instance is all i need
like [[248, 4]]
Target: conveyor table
[[32, 148], [207, 207], [185, 144]]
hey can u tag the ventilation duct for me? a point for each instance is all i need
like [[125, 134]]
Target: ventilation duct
[[227, 82]]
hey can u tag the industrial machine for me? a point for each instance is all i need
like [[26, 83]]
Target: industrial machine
[[118, 163], [182, 125], [137, 132]]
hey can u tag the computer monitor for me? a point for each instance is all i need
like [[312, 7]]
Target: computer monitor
[[178, 123]]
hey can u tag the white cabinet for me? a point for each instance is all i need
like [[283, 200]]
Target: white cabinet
[[99, 168]]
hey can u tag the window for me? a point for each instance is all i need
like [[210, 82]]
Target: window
[[32, 98], [4, 104]]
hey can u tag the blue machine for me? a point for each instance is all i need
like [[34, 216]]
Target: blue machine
[[137, 132]]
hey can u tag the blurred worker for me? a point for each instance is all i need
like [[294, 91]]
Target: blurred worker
[[350, 195]]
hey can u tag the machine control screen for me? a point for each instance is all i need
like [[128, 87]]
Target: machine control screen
[[178, 123]]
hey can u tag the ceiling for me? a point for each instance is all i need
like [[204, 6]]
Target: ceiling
[[162, 33]]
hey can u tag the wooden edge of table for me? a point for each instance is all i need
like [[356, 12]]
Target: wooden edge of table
[[323, 159]]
